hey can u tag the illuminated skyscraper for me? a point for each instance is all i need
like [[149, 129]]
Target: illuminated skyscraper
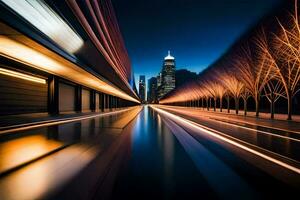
[[142, 88], [167, 76]]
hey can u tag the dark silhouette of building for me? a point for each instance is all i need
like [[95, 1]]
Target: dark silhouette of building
[[184, 75], [152, 90], [142, 88]]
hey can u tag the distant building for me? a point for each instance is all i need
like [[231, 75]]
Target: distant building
[[142, 88], [152, 90], [167, 75]]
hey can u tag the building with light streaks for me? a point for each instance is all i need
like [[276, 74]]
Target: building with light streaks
[[65, 57]]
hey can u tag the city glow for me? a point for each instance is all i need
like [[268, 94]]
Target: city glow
[[54, 64], [40, 15], [22, 76]]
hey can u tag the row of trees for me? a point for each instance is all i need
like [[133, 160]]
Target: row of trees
[[266, 65]]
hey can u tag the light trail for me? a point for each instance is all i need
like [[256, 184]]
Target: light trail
[[264, 126], [255, 130], [239, 126], [41, 16], [23, 76], [56, 122], [214, 134], [41, 58]]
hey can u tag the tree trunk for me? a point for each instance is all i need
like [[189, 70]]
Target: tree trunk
[[202, 103], [228, 104], [257, 105], [245, 107], [215, 104], [210, 103], [221, 104], [289, 98], [207, 104], [272, 108], [236, 105]]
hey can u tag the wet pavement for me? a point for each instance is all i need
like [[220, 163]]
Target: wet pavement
[[138, 153], [284, 143], [169, 162]]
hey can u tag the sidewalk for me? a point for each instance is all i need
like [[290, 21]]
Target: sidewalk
[[264, 120], [37, 118]]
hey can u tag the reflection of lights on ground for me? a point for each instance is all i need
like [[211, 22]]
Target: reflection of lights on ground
[[41, 177], [198, 127], [57, 122], [208, 163], [195, 113], [25, 149]]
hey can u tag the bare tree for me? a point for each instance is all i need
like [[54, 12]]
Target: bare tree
[[287, 54], [254, 71], [245, 96], [273, 90], [211, 88], [234, 87]]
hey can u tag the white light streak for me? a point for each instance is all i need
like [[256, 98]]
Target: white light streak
[[227, 140], [41, 16]]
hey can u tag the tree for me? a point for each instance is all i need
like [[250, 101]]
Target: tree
[[254, 71], [234, 87], [245, 96], [287, 53], [273, 90], [211, 88]]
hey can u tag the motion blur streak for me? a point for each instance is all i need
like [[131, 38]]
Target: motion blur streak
[[57, 122], [24, 54], [106, 36], [22, 76], [38, 13], [202, 129]]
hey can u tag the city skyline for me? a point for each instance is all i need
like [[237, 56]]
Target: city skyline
[[74, 126], [195, 41]]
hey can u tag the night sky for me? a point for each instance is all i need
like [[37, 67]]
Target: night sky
[[196, 31]]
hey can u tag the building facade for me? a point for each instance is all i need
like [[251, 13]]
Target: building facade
[[142, 88]]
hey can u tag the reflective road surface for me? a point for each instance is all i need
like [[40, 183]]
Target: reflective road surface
[[139, 153]]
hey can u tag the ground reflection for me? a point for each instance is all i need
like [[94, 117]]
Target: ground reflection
[[52, 155]]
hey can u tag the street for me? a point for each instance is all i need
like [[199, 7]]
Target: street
[[146, 152]]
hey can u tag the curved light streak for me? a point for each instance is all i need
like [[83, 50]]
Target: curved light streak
[[107, 37], [54, 64], [41, 16]]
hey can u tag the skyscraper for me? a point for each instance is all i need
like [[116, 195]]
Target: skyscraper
[[167, 76], [152, 90], [142, 88]]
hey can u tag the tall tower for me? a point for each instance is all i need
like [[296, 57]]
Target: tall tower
[[142, 88], [168, 74]]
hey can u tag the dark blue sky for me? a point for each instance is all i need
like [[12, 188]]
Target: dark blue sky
[[196, 31]]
